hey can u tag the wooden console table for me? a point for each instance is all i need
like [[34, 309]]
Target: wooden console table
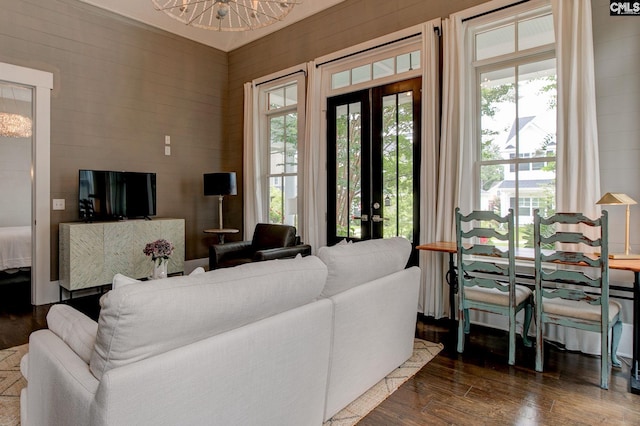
[[631, 265]]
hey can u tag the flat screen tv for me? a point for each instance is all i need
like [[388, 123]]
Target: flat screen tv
[[113, 195]]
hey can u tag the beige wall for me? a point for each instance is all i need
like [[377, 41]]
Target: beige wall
[[119, 88]]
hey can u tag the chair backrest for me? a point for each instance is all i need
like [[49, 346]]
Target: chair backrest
[[486, 245], [269, 235], [572, 238]]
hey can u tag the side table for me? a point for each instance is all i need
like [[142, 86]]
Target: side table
[[221, 233]]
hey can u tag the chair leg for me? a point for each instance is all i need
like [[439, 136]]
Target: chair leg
[[539, 342], [616, 332], [528, 312], [604, 359], [462, 319], [467, 322], [512, 338]]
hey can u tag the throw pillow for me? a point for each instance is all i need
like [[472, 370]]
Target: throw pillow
[[350, 265], [120, 280], [76, 329]]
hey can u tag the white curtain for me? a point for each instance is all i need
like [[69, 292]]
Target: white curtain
[[578, 166], [578, 177], [454, 134], [314, 184], [252, 156], [433, 290]]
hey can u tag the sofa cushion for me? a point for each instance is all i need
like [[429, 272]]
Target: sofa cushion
[[149, 318], [350, 265], [76, 329]]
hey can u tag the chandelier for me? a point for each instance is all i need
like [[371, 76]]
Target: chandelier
[[226, 15], [13, 125]]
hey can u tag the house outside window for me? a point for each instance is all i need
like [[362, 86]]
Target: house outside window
[[515, 74], [281, 120]]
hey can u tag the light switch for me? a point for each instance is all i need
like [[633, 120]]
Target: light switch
[[58, 204], [167, 150], [167, 140]]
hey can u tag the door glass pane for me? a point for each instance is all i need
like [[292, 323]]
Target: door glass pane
[[397, 161], [383, 68], [348, 170], [361, 74], [16, 121]]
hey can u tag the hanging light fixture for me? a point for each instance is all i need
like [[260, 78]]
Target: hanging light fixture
[[226, 15], [14, 125]]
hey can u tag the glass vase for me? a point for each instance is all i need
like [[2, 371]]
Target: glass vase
[[160, 268]]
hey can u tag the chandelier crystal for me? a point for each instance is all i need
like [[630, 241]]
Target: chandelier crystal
[[14, 125], [226, 15]]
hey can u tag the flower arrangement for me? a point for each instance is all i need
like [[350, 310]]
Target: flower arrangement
[[159, 249]]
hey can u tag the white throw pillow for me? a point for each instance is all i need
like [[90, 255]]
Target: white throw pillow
[[350, 265], [197, 271], [120, 281], [76, 329]]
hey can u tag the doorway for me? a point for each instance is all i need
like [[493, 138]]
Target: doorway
[[38, 84], [373, 153], [16, 147]]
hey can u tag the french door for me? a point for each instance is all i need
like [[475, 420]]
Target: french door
[[373, 152]]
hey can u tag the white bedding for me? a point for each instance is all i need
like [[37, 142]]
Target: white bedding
[[15, 247]]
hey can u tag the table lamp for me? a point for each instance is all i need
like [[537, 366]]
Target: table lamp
[[220, 184], [611, 198]]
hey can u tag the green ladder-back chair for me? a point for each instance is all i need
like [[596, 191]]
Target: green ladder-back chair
[[486, 273], [575, 296]]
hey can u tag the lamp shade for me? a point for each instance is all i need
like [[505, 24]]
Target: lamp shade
[[220, 184], [613, 198]]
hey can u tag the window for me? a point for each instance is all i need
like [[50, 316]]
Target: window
[[515, 73], [282, 119], [390, 66]]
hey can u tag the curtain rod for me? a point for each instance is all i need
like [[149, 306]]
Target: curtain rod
[[494, 10], [367, 49], [282, 76]]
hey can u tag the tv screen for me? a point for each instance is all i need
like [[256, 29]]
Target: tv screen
[[141, 194], [113, 195]]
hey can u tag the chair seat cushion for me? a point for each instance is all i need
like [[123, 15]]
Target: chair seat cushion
[[495, 296], [578, 309]]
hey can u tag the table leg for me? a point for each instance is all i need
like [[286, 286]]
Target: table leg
[[634, 381], [452, 280]]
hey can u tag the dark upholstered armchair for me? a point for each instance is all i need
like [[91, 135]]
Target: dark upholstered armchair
[[270, 241]]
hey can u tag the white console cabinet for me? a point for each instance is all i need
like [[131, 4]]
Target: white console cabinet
[[92, 253]]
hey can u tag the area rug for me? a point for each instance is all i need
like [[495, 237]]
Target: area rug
[[423, 352], [11, 382]]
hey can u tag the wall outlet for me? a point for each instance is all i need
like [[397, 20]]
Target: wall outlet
[[58, 204]]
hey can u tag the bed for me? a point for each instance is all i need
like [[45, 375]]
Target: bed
[[15, 248]]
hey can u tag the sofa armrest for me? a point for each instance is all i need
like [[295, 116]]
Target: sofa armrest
[[60, 386], [219, 252], [283, 252]]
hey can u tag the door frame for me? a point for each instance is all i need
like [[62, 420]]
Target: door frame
[[371, 99], [42, 83]]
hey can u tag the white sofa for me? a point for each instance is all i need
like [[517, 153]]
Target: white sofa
[[283, 342]]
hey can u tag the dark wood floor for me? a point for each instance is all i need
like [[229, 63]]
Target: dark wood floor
[[475, 388]]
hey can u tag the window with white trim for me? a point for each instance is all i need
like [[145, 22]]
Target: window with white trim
[[282, 130], [515, 85]]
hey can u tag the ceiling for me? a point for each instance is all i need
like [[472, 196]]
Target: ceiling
[[143, 11]]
